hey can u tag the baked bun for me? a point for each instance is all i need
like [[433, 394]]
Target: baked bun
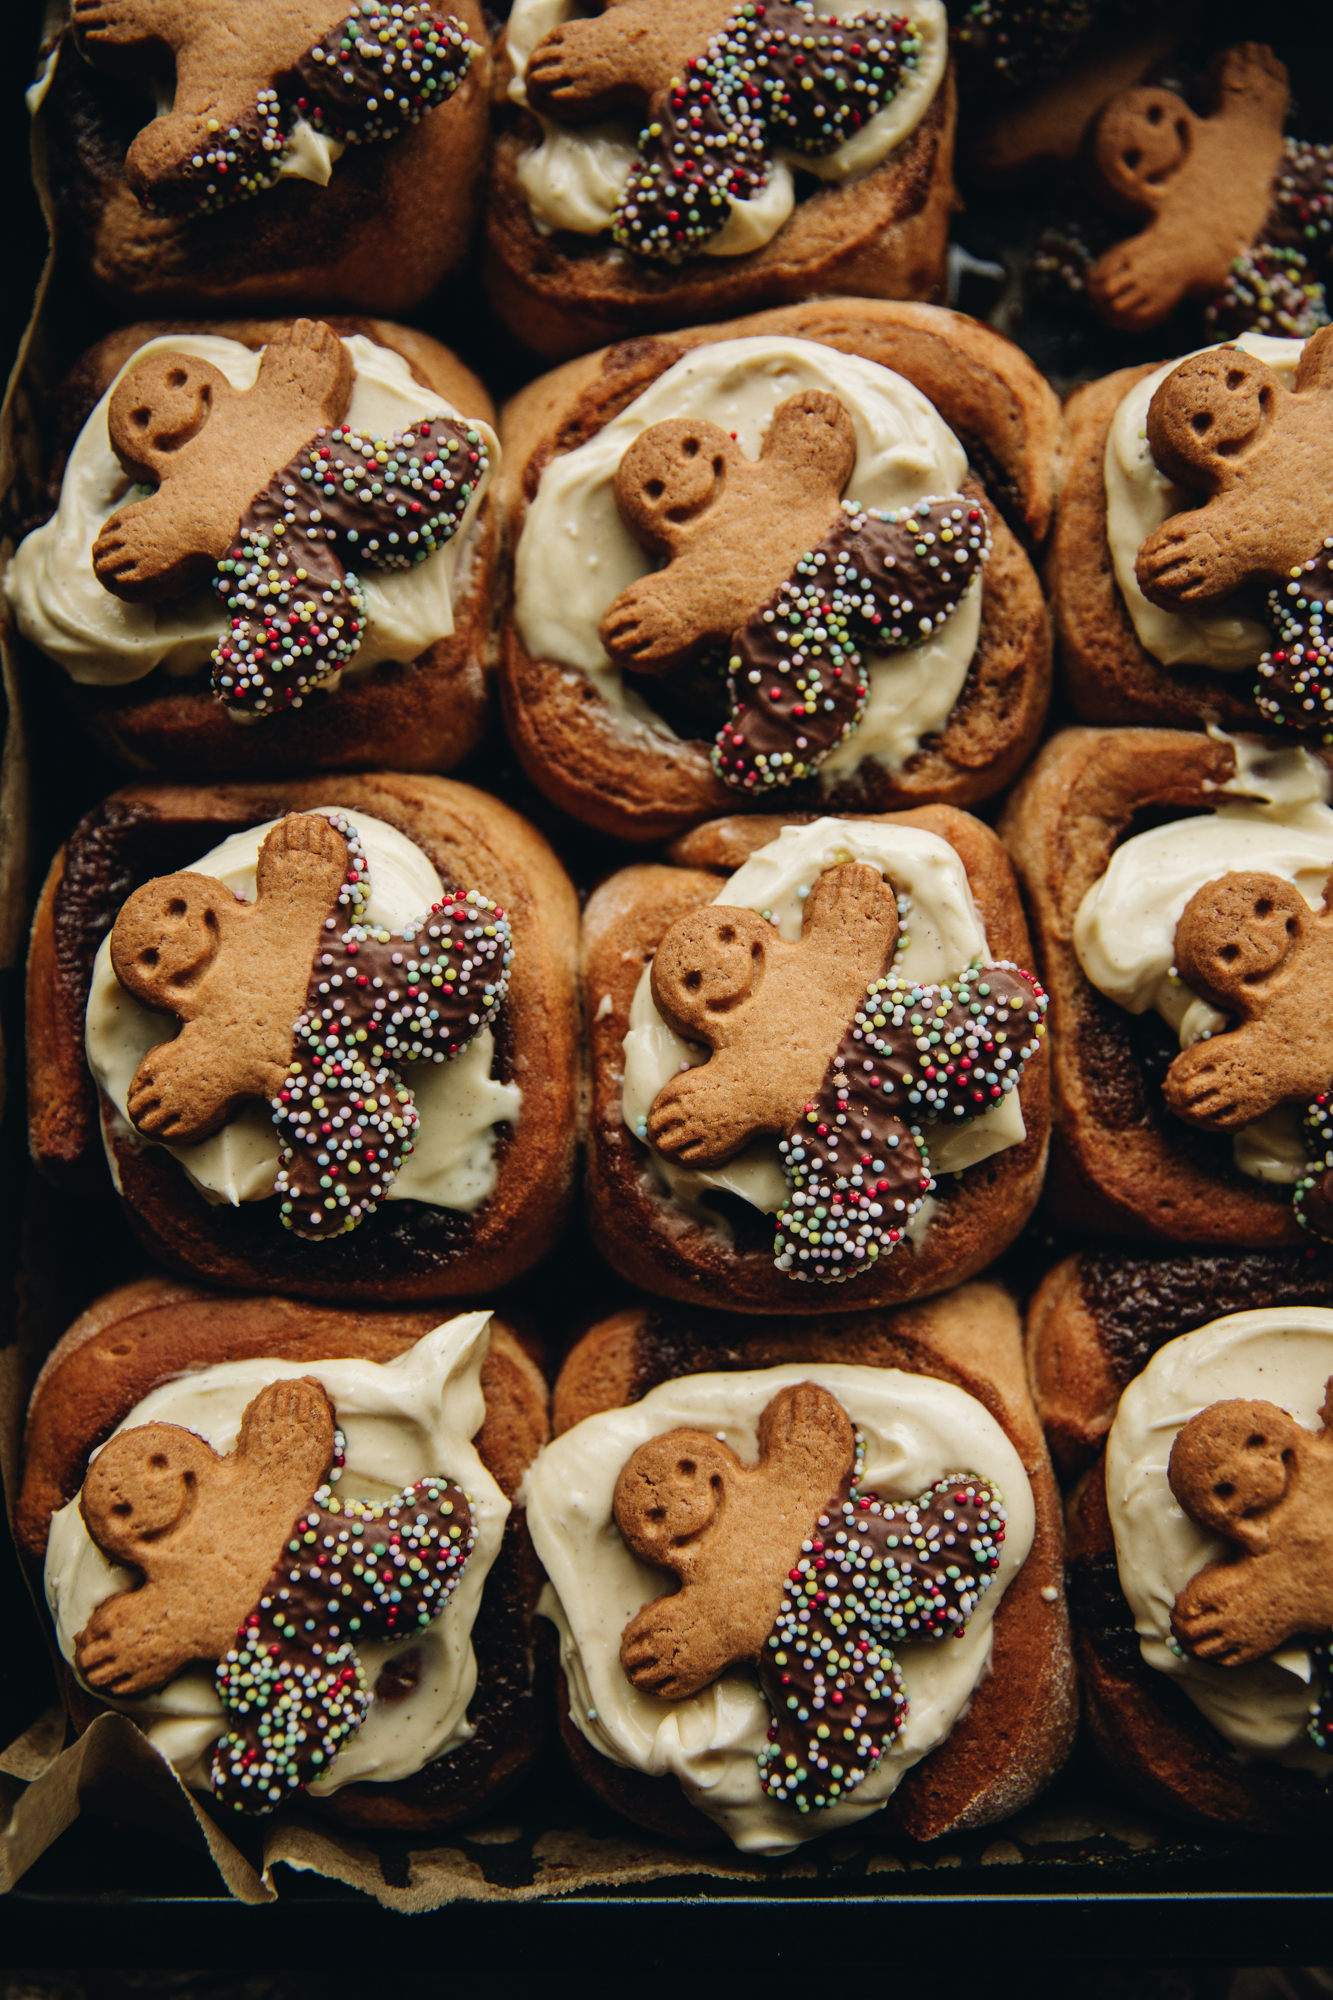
[[1210, 1325], [574, 697], [1019, 1726], [681, 1193], [1108, 673], [1138, 1151], [1187, 571], [552, 269], [419, 713], [396, 215], [155, 1331], [486, 1207]]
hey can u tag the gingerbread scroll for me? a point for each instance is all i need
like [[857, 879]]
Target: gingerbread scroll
[[721, 86], [1228, 212], [270, 495], [765, 558], [1227, 425], [251, 1561], [247, 70], [285, 999], [1247, 1471], [1252, 947], [843, 1060], [790, 1566]]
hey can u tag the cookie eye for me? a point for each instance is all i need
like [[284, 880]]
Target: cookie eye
[[1154, 114], [141, 418], [177, 379], [177, 907], [1201, 421], [727, 934], [1255, 1442], [687, 1468], [654, 489], [158, 1461], [149, 955], [1227, 952], [1224, 1489], [693, 981], [689, 447], [1132, 158], [1234, 378], [1264, 907]]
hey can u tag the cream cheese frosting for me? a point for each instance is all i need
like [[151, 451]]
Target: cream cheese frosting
[[575, 555], [102, 641], [402, 1420], [1282, 1355], [575, 177], [1276, 819], [943, 932], [916, 1430], [459, 1103], [1139, 498]]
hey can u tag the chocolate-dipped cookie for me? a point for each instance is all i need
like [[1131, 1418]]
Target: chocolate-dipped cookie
[[266, 545], [818, 1064], [411, 1659], [644, 171], [779, 561], [863, 1579], [313, 1055], [265, 156]]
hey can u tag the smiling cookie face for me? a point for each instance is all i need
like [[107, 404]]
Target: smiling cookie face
[[142, 1487], [1143, 139], [1232, 1463], [707, 964], [167, 935]]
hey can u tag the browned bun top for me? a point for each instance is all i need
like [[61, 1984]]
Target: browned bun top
[[423, 1253], [1019, 1728], [1099, 1317], [666, 1251], [156, 1329]]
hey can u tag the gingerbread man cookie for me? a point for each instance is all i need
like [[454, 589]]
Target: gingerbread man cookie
[[268, 492], [247, 70], [720, 85], [1252, 946], [817, 1043], [761, 1552], [1206, 184], [1238, 216], [280, 1000], [249, 1560], [1225, 424], [1249, 1472], [765, 557]]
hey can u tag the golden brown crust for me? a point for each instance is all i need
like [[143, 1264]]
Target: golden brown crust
[[1123, 1163], [425, 715], [422, 1253], [641, 788], [654, 1243], [395, 218], [1109, 676], [1020, 1726], [1151, 1735], [155, 1329], [1099, 1317], [885, 237]]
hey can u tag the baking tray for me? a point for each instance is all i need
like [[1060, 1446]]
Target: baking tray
[[1084, 1873]]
